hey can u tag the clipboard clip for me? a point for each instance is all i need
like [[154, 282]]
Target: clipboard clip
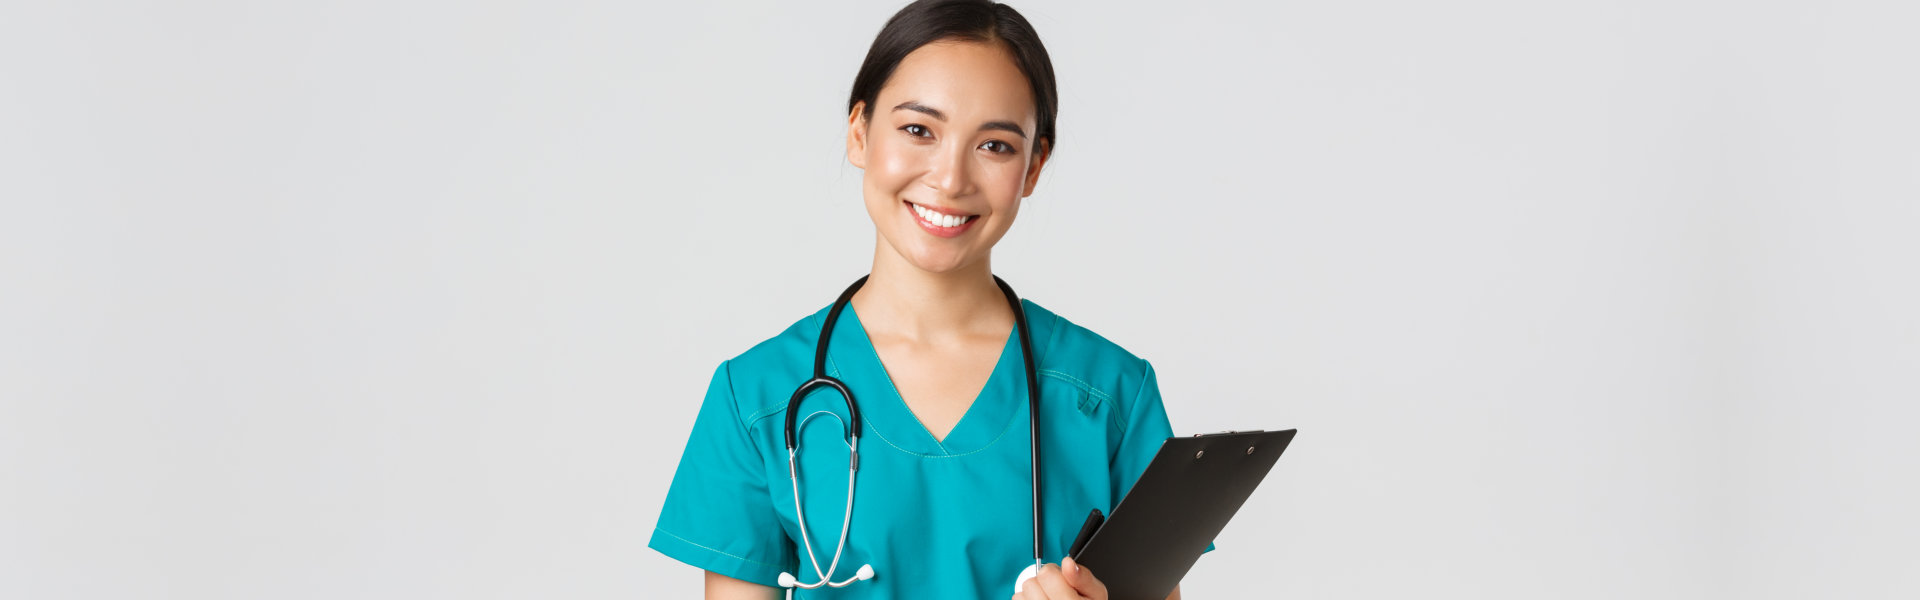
[[1202, 454], [1231, 432]]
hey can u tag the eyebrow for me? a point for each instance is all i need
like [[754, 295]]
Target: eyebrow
[[1008, 126]]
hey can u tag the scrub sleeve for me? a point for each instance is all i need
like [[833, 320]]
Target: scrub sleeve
[[718, 515], [1145, 428]]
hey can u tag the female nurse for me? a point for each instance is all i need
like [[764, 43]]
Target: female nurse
[[951, 119]]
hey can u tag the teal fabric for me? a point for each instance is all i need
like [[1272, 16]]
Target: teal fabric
[[936, 518]]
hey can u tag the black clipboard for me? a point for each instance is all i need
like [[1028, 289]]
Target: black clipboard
[[1179, 505]]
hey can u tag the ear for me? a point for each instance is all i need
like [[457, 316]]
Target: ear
[[1033, 170], [857, 136]]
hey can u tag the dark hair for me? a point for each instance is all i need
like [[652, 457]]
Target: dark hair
[[928, 21]]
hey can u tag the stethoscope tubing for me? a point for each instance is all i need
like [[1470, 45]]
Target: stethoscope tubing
[[821, 379], [1033, 409]]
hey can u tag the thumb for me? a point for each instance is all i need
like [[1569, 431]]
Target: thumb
[[1082, 579], [1076, 574]]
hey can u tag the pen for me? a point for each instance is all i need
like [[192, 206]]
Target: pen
[[1094, 519]]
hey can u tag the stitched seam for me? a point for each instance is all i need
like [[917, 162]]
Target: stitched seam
[[1146, 377], [716, 550], [883, 438], [1076, 381], [1053, 333], [775, 408], [1119, 424], [875, 352], [833, 369], [733, 405], [770, 410], [733, 401], [778, 407]]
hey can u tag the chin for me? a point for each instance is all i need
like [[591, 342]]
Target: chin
[[937, 262], [935, 259]]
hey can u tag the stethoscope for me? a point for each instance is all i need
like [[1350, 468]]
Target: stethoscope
[[820, 379]]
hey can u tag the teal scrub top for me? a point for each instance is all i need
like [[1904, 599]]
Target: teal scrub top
[[948, 518]]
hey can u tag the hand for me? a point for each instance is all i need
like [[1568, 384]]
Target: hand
[[1065, 581]]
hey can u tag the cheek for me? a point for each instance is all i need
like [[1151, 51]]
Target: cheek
[[1008, 180], [890, 165]]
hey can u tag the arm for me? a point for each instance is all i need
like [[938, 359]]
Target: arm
[[721, 587], [1176, 593]]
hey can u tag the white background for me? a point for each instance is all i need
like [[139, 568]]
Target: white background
[[409, 299]]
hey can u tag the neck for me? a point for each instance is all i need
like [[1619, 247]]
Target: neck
[[902, 300]]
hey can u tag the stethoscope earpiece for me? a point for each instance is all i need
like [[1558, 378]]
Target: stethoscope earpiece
[[787, 580]]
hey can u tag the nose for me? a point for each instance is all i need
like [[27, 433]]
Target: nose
[[949, 174]]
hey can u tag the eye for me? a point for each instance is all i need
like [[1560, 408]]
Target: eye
[[916, 130], [998, 147]]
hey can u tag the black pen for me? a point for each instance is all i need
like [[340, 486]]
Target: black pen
[[1094, 519]]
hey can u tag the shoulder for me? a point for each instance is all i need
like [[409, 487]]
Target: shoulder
[[1073, 355], [761, 378]]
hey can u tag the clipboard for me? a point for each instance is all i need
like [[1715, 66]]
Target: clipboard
[[1179, 505]]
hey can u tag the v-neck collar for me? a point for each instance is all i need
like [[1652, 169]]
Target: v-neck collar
[[887, 416]]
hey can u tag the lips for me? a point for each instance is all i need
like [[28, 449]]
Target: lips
[[941, 223], [938, 218]]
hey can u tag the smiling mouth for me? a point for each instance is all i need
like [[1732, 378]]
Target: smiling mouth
[[939, 219]]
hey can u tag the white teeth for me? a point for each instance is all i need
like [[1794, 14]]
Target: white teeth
[[938, 219]]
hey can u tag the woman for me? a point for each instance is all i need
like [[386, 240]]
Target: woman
[[951, 119]]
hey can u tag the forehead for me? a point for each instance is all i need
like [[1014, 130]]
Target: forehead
[[966, 80]]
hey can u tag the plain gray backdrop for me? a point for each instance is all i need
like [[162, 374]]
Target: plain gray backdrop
[[409, 299]]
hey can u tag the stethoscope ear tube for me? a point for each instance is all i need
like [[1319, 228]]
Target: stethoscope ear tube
[[793, 406], [1033, 408], [820, 377]]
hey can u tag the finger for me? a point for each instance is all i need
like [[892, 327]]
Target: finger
[[1031, 591], [1055, 583], [1083, 580]]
